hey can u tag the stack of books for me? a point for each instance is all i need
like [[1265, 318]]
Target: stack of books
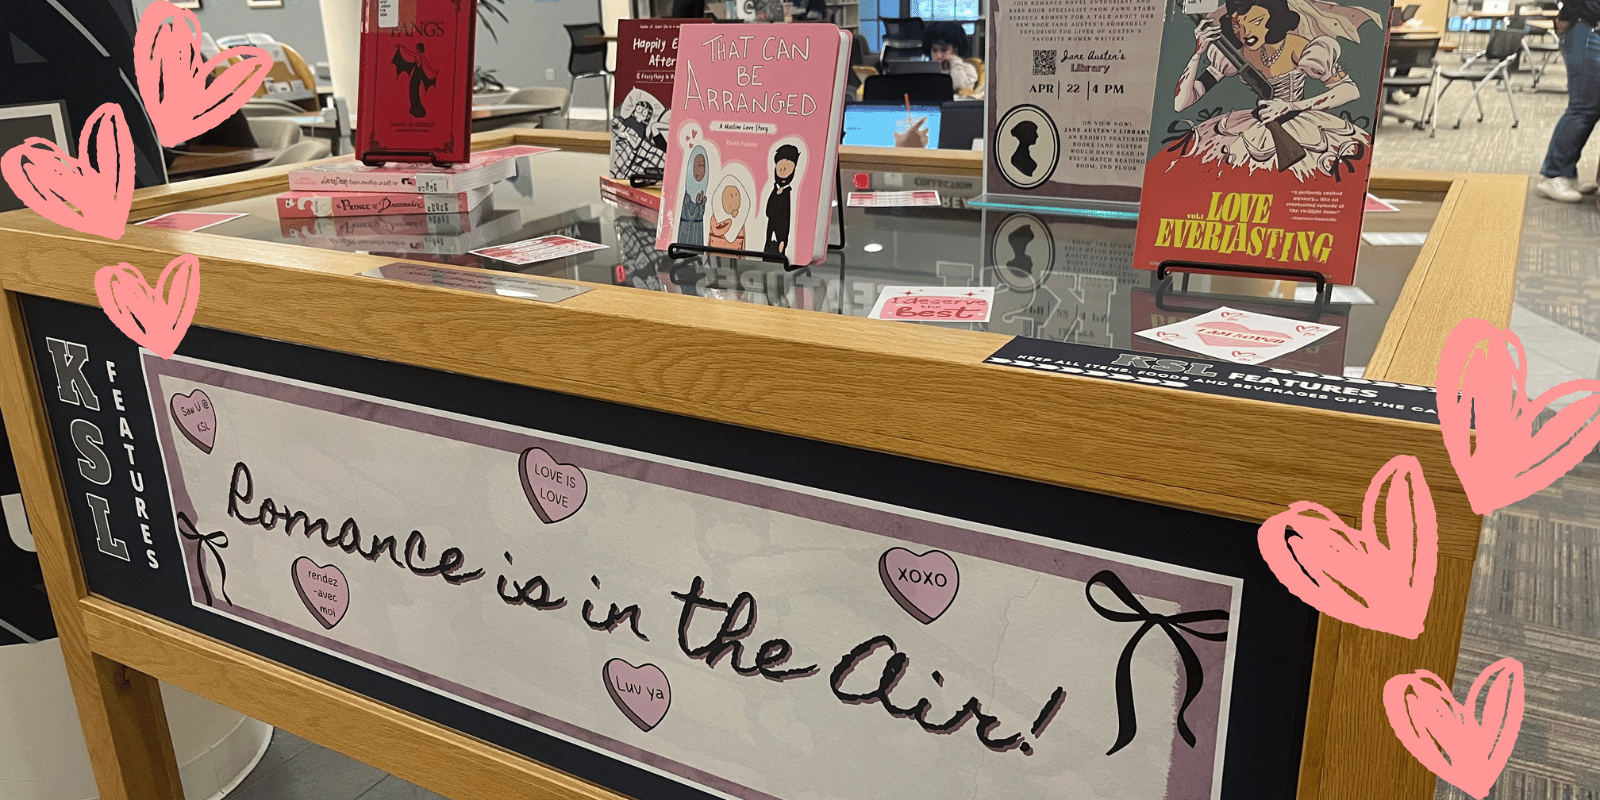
[[401, 208]]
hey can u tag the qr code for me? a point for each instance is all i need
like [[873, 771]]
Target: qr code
[[1044, 62]]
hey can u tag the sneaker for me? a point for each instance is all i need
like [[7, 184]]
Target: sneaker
[[1559, 189], [1587, 187]]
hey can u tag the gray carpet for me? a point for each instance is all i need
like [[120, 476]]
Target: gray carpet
[[1536, 586]]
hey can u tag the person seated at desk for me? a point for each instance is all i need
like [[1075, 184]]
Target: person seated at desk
[[946, 43]]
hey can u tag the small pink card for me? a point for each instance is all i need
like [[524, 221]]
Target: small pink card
[[190, 220], [543, 248], [880, 199], [1377, 205], [934, 304], [1242, 337]]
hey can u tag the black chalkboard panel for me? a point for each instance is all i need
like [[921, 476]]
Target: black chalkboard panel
[[1274, 632]]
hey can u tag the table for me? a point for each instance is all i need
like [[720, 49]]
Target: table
[[805, 394], [321, 125], [205, 160], [510, 111]]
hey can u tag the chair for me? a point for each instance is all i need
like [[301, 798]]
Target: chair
[[290, 67], [921, 87], [858, 65], [587, 59], [1542, 41], [1407, 57], [1492, 65], [902, 37], [301, 151]]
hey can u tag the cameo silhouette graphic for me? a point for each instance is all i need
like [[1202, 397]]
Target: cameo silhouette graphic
[[423, 74], [1028, 148], [1022, 252]]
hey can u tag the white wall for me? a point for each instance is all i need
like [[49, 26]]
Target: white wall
[[298, 24], [534, 41]]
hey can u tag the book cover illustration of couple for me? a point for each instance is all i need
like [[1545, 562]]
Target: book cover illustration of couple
[[720, 207]]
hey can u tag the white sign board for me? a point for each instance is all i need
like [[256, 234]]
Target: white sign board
[[748, 638]]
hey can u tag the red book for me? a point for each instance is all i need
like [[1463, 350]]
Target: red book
[[647, 58], [621, 190], [416, 81], [293, 205]]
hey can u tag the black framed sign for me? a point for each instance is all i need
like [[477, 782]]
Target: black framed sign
[[665, 606]]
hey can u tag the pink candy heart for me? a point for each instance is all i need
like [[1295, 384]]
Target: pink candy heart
[[1510, 461], [196, 418], [1446, 736], [1347, 572], [555, 490], [641, 693], [924, 585], [324, 590], [70, 191], [153, 318], [172, 77]]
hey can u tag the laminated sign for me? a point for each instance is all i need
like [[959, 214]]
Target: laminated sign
[[569, 578]]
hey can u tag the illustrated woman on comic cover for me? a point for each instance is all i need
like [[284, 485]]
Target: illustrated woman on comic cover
[[1288, 42], [692, 218]]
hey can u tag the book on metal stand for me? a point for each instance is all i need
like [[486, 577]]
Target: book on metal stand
[[678, 251]]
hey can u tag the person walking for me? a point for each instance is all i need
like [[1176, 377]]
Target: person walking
[[1580, 49]]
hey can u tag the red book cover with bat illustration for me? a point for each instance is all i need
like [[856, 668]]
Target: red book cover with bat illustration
[[1261, 136], [416, 81]]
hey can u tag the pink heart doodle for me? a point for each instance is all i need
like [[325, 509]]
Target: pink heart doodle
[[172, 77], [555, 490], [1446, 736], [924, 585], [1243, 355], [196, 418], [1510, 461], [1232, 314], [1308, 330], [1348, 573], [155, 318], [1223, 334], [1167, 336], [324, 590], [71, 192], [641, 693]]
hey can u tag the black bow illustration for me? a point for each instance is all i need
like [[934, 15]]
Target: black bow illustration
[[1349, 159], [1194, 675], [1182, 131], [213, 541]]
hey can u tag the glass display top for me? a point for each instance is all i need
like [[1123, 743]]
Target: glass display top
[[1055, 277]]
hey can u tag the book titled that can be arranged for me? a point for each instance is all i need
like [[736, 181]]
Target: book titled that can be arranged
[[754, 147]]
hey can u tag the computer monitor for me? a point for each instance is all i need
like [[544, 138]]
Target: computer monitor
[[874, 125], [961, 121]]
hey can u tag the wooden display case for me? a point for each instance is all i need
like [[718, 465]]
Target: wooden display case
[[777, 371]]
